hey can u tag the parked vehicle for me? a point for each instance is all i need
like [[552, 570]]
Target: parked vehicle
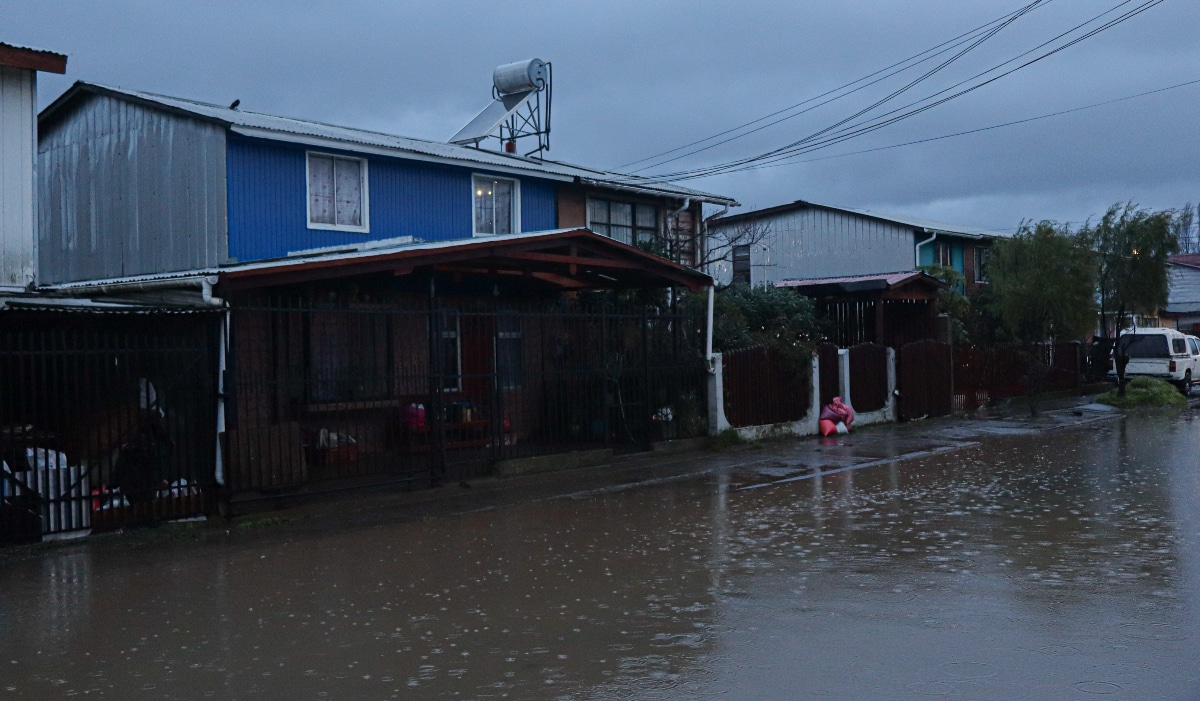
[[1158, 352]]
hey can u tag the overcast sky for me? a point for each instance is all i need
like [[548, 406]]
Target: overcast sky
[[633, 79]]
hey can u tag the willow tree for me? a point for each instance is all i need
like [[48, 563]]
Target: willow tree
[[1132, 248], [1043, 283]]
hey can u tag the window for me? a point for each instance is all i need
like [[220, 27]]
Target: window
[[1179, 346], [941, 254], [510, 365], [741, 264], [337, 193], [625, 222], [981, 256], [496, 205], [1193, 345]]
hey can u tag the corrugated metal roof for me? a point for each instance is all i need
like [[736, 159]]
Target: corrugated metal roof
[[367, 249], [890, 278], [1192, 260], [926, 225], [362, 140], [76, 305]]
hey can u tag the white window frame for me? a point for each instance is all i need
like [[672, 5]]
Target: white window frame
[[365, 187], [516, 208]]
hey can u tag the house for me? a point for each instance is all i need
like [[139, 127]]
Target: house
[[807, 240], [1183, 299], [134, 183], [394, 310]]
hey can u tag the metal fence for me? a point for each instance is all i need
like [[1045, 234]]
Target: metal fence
[[105, 420], [330, 394]]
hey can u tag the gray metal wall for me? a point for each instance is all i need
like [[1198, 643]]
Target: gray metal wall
[[814, 242], [125, 190], [17, 251]]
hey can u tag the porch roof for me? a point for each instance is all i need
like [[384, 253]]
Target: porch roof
[[566, 259], [909, 284]]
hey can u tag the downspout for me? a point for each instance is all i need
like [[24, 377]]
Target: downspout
[[206, 294], [917, 262]]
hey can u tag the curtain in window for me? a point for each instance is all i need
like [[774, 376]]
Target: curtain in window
[[348, 192], [320, 190]]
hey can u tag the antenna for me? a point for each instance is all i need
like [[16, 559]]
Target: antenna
[[517, 110]]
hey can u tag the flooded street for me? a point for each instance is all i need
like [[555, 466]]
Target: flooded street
[[1063, 565]]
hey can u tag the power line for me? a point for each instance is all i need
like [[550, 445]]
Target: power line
[[980, 129], [810, 143], [933, 52]]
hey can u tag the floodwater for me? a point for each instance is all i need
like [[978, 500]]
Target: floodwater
[[1057, 566]]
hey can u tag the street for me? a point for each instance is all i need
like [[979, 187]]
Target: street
[[1062, 564]]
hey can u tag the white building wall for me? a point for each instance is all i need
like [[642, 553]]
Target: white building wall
[[813, 242], [18, 139]]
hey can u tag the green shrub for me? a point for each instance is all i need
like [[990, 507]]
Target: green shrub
[[1145, 392]]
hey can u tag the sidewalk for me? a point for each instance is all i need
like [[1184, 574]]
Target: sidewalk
[[755, 464], [751, 466]]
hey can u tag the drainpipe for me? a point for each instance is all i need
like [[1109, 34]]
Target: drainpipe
[[206, 294], [917, 262]]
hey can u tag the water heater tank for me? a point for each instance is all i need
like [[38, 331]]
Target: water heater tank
[[521, 76]]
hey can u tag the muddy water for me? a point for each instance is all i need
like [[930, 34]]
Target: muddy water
[[1061, 566]]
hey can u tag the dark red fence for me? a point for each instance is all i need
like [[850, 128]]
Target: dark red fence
[[869, 377], [762, 388], [984, 375], [925, 384]]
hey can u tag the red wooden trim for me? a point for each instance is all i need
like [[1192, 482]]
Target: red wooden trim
[[32, 59]]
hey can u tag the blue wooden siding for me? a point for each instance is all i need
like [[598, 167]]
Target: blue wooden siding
[[268, 212]]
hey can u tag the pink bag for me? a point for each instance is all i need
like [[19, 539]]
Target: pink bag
[[827, 427]]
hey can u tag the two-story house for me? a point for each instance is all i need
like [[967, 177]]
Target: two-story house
[[393, 306], [805, 240]]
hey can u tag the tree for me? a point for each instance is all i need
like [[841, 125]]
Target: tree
[[1132, 250], [952, 301], [716, 244], [1043, 285], [1185, 233]]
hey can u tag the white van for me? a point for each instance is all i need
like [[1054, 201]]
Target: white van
[[1163, 353]]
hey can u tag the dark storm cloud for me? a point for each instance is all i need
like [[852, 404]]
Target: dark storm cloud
[[636, 78]]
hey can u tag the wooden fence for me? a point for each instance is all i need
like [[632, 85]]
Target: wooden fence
[[760, 388], [983, 375]]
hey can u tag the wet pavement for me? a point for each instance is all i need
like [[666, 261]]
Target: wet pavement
[[1057, 558]]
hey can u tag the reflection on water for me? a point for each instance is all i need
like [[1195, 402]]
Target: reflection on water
[[1055, 566]]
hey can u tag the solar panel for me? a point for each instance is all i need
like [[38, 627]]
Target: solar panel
[[490, 118]]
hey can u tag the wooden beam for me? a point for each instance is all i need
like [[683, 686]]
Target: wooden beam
[[32, 59], [574, 260]]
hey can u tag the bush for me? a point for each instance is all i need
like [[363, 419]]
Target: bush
[[1145, 392]]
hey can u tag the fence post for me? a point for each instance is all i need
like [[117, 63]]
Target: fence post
[[716, 396], [844, 375], [814, 402], [890, 408]]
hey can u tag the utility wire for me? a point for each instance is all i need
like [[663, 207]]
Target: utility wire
[[868, 126], [933, 52], [980, 129], [809, 143]]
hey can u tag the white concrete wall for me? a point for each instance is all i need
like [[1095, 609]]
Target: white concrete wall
[[18, 144], [807, 426]]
